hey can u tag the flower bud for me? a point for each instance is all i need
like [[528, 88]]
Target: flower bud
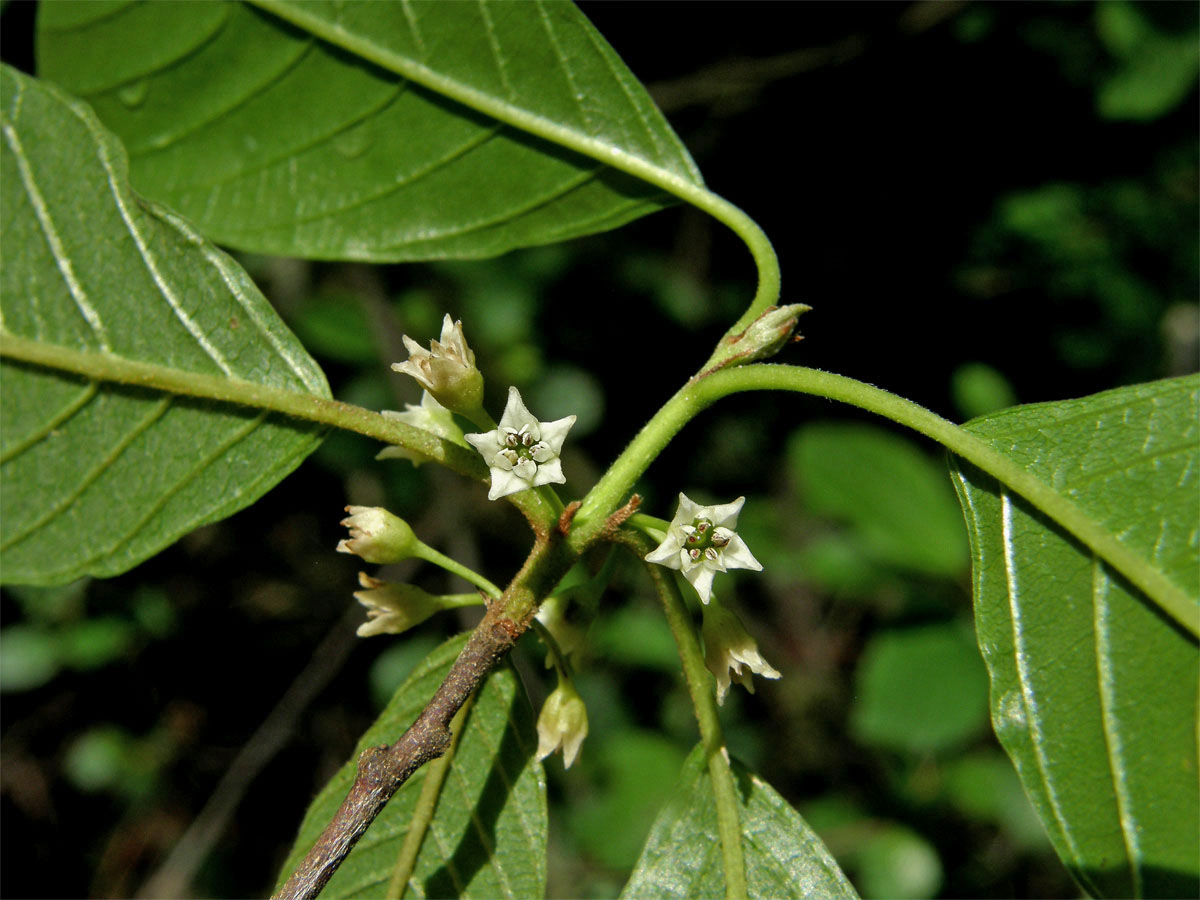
[[447, 370], [429, 416], [729, 651], [762, 338], [378, 536], [393, 608], [562, 723]]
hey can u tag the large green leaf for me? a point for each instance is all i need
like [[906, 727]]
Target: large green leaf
[[98, 477], [370, 130], [488, 834], [1094, 689], [682, 857]]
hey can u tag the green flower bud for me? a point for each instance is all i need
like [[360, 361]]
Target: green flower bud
[[378, 536], [763, 338]]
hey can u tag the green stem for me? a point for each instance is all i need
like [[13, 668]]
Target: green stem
[[454, 567], [561, 666], [704, 702], [456, 600], [701, 393], [108, 367], [426, 806]]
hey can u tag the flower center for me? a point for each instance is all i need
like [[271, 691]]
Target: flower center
[[521, 445], [703, 540]]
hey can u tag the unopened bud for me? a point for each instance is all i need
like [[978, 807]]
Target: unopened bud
[[378, 536]]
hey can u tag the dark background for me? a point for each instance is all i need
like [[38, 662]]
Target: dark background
[[953, 191]]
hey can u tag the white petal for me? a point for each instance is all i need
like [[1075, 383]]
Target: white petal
[[726, 514], [487, 443], [505, 483], [738, 556], [666, 554], [414, 349], [550, 473], [553, 433], [685, 513], [515, 414], [701, 578], [448, 330], [526, 469]]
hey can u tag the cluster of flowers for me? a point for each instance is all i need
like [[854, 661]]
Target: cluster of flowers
[[523, 453]]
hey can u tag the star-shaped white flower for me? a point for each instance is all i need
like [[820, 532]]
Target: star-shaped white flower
[[701, 542], [729, 651], [523, 452], [447, 369]]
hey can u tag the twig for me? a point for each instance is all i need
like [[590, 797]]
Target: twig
[[382, 770]]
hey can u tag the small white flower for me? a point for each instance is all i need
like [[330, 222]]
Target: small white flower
[[447, 370], [701, 542], [393, 608], [522, 452], [378, 536], [430, 416], [729, 651], [562, 723]]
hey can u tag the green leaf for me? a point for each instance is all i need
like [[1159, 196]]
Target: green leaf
[[920, 689], [374, 131], [98, 477], [488, 834], [682, 857], [892, 492], [1094, 689]]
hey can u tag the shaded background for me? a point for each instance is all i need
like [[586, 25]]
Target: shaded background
[[984, 204]]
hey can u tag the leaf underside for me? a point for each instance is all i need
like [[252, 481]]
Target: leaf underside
[[682, 856], [98, 477], [1094, 690], [488, 834], [378, 166]]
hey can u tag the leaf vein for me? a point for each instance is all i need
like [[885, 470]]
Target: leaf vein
[[222, 448], [156, 412], [1028, 700], [52, 423], [144, 250], [1112, 734], [61, 259]]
